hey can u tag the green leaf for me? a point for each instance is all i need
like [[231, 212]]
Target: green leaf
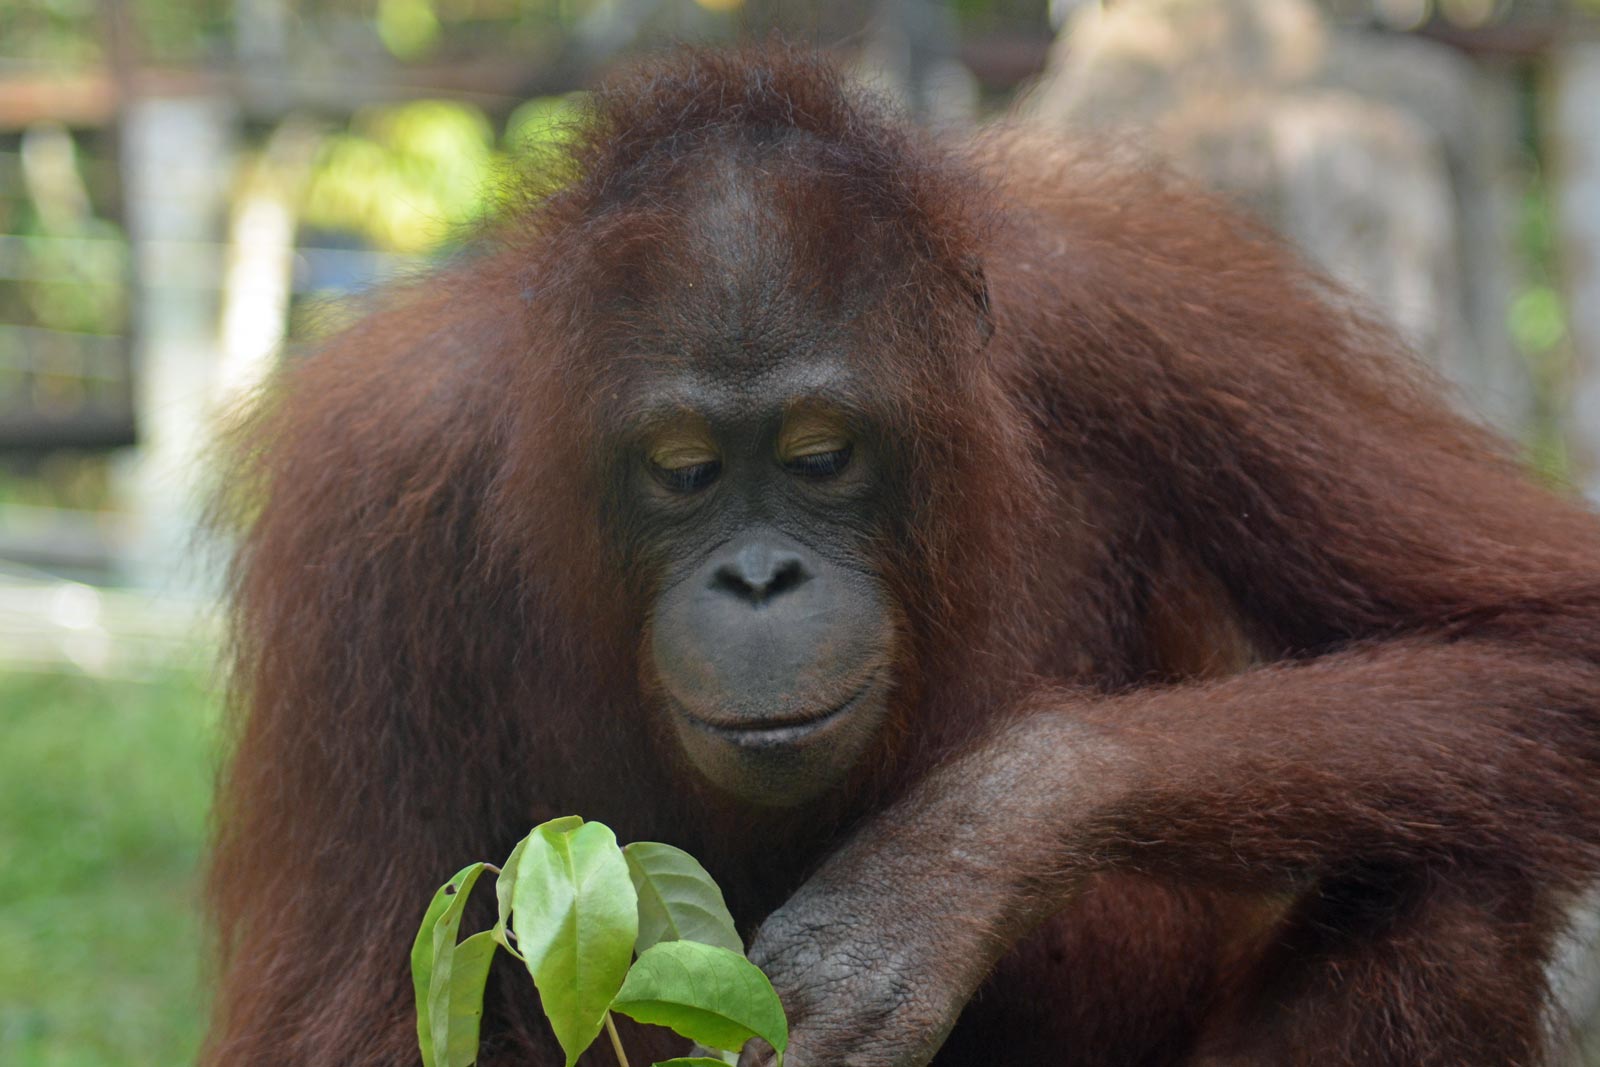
[[448, 978], [457, 1009], [705, 993], [505, 884], [575, 915], [678, 900]]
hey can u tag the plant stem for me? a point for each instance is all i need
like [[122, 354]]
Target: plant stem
[[616, 1041], [491, 867]]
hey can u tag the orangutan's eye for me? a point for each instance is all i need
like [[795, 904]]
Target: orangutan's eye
[[690, 478], [814, 444], [821, 464], [685, 466]]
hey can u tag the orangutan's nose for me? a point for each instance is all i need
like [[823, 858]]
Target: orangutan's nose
[[758, 572]]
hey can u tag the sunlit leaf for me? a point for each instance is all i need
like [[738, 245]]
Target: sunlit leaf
[[678, 900], [707, 994], [448, 978], [505, 883], [575, 916], [456, 1008]]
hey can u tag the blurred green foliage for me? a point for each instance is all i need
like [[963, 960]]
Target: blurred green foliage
[[71, 33], [1538, 320], [52, 32], [408, 27], [65, 478], [408, 178], [1537, 316], [75, 278], [536, 133], [403, 176], [104, 789]]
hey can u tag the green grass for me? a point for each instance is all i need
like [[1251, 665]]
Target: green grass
[[104, 788]]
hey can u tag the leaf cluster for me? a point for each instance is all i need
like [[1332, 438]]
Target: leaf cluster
[[642, 931]]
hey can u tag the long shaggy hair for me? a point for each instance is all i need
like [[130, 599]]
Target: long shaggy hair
[[1138, 443]]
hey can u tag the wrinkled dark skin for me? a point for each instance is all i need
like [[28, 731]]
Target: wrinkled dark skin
[[770, 639], [880, 951], [864, 966]]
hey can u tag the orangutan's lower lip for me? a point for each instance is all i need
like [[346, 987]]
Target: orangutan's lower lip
[[780, 731]]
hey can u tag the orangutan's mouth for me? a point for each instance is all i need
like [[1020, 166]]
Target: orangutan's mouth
[[786, 730]]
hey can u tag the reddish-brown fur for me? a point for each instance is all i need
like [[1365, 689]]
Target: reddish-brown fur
[[1341, 660]]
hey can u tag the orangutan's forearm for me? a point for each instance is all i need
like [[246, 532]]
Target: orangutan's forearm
[[1405, 754]]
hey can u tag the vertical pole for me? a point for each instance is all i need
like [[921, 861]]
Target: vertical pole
[[177, 158]]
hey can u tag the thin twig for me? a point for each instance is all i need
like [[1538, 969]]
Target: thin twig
[[616, 1041]]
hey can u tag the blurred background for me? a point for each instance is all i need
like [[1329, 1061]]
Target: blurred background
[[188, 188]]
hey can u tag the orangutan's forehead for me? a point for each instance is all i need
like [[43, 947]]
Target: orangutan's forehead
[[746, 302], [665, 389], [744, 224], [752, 269]]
